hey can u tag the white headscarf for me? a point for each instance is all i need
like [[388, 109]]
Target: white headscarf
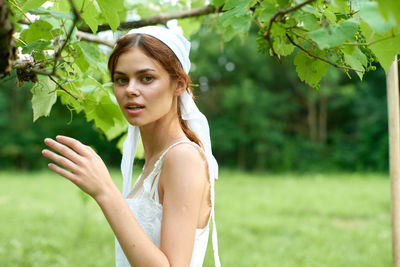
[[196, 120]]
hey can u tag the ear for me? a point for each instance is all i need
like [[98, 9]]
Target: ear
[[181, 86]]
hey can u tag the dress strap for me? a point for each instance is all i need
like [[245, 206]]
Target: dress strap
[[171, 146]]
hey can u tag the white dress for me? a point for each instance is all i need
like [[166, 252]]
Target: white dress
[[148, 213]]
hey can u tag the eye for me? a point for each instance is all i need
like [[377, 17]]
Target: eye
[[147, 79], [121, 81]]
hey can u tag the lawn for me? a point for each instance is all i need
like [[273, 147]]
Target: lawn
[[263, 220]]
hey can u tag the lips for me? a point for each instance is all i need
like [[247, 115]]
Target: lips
[[133, 106]]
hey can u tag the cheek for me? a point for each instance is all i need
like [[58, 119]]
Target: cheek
[[158, 92], [161, 101]]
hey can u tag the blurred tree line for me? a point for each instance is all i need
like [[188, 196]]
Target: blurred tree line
[[261, 116]]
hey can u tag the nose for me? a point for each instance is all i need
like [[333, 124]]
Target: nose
[[132, 88]]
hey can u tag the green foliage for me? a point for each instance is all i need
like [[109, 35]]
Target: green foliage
[[335, 35], [32, 4], [389, 9], [310, 69], [260, 115], [82, 68], [236, 18], [44, 96], [22, 140], [384, 45], [332, 26], [374, 19], [354, 37], [110, 10], [355, 58], [39, 30]]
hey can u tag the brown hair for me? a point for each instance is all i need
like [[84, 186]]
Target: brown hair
[[156, 49]]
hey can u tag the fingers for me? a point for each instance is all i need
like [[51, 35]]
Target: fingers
[[77, 146], [63, 150], [60, 160], [62, 172]]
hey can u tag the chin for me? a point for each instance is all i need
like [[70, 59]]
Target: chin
[[135, 123]]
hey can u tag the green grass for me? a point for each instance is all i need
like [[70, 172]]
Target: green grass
[[262, 220]]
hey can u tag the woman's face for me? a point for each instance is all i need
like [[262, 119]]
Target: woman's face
[[143, 88]]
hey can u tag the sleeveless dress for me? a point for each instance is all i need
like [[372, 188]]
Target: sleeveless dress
[[148, 212]]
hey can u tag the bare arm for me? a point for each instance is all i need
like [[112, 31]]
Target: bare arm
[[182, 182], [84, 167]]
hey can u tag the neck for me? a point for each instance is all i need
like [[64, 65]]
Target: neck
[[159, 135]]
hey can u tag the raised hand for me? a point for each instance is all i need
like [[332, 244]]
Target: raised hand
[[80, 164]]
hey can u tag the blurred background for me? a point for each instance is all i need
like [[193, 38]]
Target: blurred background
[[303, 179]]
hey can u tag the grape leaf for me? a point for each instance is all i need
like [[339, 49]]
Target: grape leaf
[[231, 4], [308, 21], [217, 3], [368, 12], [100, 105], [234, 22], [390, 9], [89, 15], [56, 14], [386, 46], [355, 59], [38, 30], [309, 69], [282, 46], [106, 115], [109, 9], [340, 5], [265, 12], [330, 15], [44, 96], [90, 56], [190, 25], [37, 46], [31, 4], [81, 61], [334, 35]]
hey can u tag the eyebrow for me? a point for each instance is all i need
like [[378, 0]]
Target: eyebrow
[[137, 72]]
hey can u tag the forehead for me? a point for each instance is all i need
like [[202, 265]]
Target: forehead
[[136, 59]]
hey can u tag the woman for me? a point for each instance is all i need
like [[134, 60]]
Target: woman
[[164, 219]]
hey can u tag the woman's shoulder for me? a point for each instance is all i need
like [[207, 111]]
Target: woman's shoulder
[[185, 160], [185, 152]]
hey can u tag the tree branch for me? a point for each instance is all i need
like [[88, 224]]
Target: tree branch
[[278, 14], [93, 38], [62, 88], [29, 64], [77, 17], [320, 58], [84, 32], [159, 19]]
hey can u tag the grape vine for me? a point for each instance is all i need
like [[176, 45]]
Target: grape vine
[[61, 50]]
